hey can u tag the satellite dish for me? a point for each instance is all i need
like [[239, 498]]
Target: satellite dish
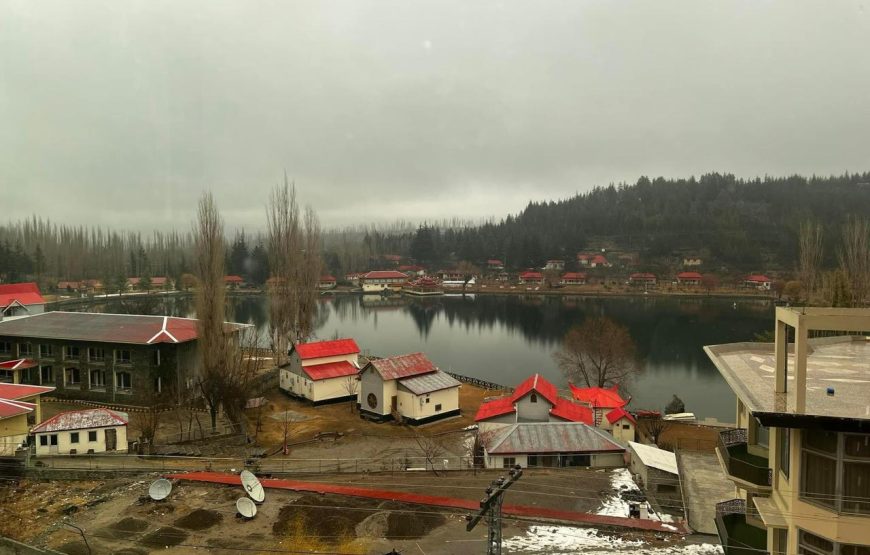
[[253, 486], [246, 507], [159, 489]]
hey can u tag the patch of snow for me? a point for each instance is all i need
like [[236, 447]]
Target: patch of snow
[[566, 540], [621, 482]]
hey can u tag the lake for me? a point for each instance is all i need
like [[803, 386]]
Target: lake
[[504, 339]]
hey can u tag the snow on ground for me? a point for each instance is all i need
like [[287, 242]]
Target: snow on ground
[[557, 540], [622, 482]]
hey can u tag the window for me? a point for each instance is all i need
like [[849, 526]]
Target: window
[[71, 352], [96, 354], [5, 348], [780, 541], [762, 435], [533, 398], [784, 450], [835, 471], [124, 381], [7, 376], [626, 426], [122, 356], [508, 462], [43, 440], [811, 544], [438, 407], [72, 376], [92, 436], [98, 379], [427, 399], [46, 374], [25, 349], [46, 351], [73, 437], [155, 357]]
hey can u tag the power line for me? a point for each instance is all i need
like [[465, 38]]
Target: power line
[[490, 507]]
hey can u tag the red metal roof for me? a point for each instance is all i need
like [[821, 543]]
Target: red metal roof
[[572, 412], [689, 275], [24, 293], [20, 391], [539, 384], [599, 259], [384, 274], [233, 279], [327, 278], [9, 408], [584, 256], [320, 349], [81, 419], [574, 275], [757, 278], [133, 329], [496, 407], [531, 275], [18, 364], [618, 413], [495, 262], [330, 370], [599, 397], [158, 281], [402, 366], [642, 276]]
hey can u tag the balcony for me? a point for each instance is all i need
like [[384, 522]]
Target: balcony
[[739, 463], [736, 535]]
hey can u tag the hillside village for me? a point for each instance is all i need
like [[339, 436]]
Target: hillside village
[[110, 399]]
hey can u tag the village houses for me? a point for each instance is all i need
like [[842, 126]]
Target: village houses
[[20, 408], [380, 281], [20, 299]]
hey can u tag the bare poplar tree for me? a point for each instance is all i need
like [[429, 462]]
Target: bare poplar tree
[[210, 301], [810, 258], [855, 259], [282, 221], [307, 276], [598, 353], [351, 387]]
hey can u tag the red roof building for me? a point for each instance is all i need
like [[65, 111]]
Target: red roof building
[[689, 278], [531, 277], [616, 415], [573, 278], [322, 349], [533, 390], [80, 420], [599, 397], [383, 274], [342, 368], [759, 281], [9, 408], [18, 298], [538, 384], [495, 263], [233, 280], [403, 366], [16, 391], [599, 261], [642, 278]]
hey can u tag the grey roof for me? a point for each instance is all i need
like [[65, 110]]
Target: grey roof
[[427, 383], [650, 455], [842, 363], [549, 437]]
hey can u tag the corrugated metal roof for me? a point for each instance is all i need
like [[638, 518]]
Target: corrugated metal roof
[[24, 293], [330, 370], [14, 408], [20, 391], [18, 364], [428, 383], [650, 455], [81, 419], [319, 349], [549, 437], [135, 329], [403, 366]]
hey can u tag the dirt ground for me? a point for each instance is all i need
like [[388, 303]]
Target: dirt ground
[[118, 517]]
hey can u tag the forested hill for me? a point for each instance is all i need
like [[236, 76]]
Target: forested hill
[[742, 224]]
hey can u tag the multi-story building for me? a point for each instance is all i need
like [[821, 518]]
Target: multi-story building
[[108, 358], [800, 456]]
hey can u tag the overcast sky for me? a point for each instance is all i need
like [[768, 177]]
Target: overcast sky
[[122, 113]]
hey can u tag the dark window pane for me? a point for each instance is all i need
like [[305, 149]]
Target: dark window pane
[[821, 441], [820, 478], [856, 487], [858, 446], [816, 542], [855, 550]]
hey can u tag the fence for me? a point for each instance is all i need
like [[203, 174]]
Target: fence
[[479, 383], [89, 464]]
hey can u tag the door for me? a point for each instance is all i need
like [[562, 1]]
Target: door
[[52, 443], [533, 460], [394, 405], [111, 439]]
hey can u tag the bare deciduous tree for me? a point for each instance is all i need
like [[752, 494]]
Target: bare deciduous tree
[[351, 386], [431, 447], [210, 304], [653, 428], [810, 258], [598, 353], [855, 259]]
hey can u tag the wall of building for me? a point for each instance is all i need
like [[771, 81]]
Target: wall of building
[[332, 388], [64, 445], [599, 460], [13, 431], [527, 411], [371, 383], [417, 407], [622, 430]]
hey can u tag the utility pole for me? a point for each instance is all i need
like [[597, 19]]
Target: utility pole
[[490, 508]]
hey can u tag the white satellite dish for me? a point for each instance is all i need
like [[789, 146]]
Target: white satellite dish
[[253, 486], [160, 489], [246, 507]]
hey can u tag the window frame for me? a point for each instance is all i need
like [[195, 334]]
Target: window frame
[[838, 498], [122, 360], [74, 437], [92, 436]]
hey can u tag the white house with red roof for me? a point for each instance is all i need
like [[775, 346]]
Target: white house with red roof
[[608, 408], [82, 432], [689, 278], [409, 387], [20, 408], [20, 299], [380, 281], [573, 278], [530, 277], [534, 400], [642, 278], [758, 281], [327, 282], [322, 371]]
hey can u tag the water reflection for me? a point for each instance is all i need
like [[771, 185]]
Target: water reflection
[[506, 338]]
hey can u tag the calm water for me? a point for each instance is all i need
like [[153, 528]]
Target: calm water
[[505, 338]]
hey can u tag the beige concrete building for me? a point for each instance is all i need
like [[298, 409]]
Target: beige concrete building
[[322, 371], [79, 432], [800, 457]]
